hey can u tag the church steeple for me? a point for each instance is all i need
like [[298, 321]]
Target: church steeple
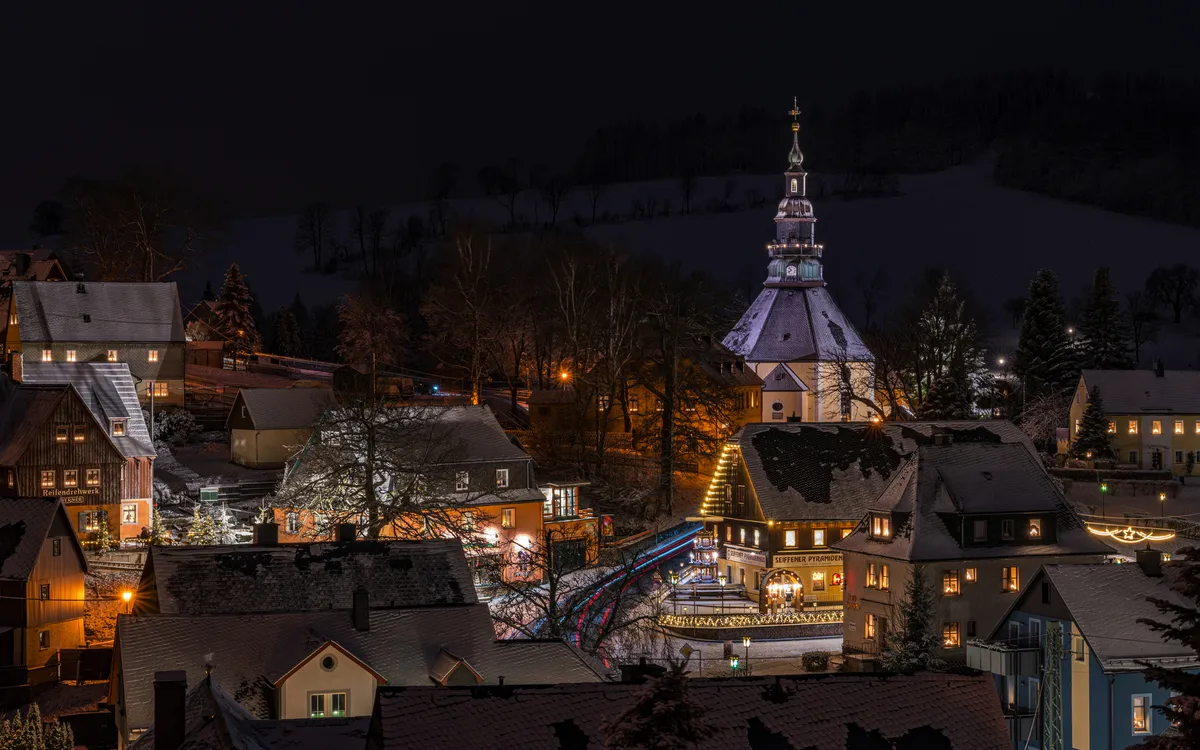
[[795, 257]]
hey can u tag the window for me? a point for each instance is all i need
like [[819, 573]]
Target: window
[[328, 663], [152, 355], [79, 433], [1077, 423], [129, 513], [979, 531], [501, 478], [462, 481], [44, 592], [1112, 428], [1178, 426], [1007, 530], [56, 547], [1035, 528], [161, 389], [1178, 457], [293, 523], [468, 517], [871, 627], [70, 478], [43, 639], [884, 580], [1156, 427], [795, 185], [970, 575], [89, 521], [12, 318], [1198, 426], [60, 433], [872, 576], [70, 355], [322, 705], [742, 535], [92, 477], [1079, 648], [1133, 427], [847, 532], [818, 580], [602, 403], [1141, 714], [728, 533], [47, 355], [950, 583], [48, 479], [1133, 457], [789, 538], [756, 538], [12, 479], [118, 428], [818, 537], [950, 635], [508, 518], [112, 355], [881, 526], [1011, 582], [970, 628]]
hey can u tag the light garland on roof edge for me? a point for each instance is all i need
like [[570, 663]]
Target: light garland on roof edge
[[1130, 535]]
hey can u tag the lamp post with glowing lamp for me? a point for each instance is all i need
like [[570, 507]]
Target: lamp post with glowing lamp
[[746, 645], [674, 601], [721, 581], [127, 597], [1162, 504], [734, 662]]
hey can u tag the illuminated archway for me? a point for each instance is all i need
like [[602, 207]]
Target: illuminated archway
[[780, 590]]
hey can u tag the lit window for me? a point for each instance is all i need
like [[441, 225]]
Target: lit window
[[950, 583], [756, 538], [56, 548], [602, 403], [1156, 427], [79, 433], [881, 526], [293, 523], [728, 533], [152, 355], [1035, 528], [885, 581], [161, 389], [44, 592], [1198, 426], [1141, 714], [1078, 422], [322, 705], [48, 480], [979, 531], [970, 576], [1011, 582], [508, 518], [43, 639], [1133, 427], [847, 532], [60, 433], [92, 477], [1178, 426], [70, 355], [112, 355], [872, 576], [501, 478], [950, 634], [1007, 529], [462, 481], [1112, 428], [795, 185], [789, 538], [818, 537], [47, 355], [12, 479], [871, 627], [818, 580], [633, 404], [742, 535], [469, 520], [118, 428], [70, 478], [12, 319], [129, 513]]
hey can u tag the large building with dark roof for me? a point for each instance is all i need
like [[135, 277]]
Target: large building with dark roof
[[135, 323], [795, 324]]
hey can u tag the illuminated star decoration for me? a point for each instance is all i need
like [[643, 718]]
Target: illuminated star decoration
[[1130, 535]]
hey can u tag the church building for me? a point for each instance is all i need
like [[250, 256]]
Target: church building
[[811, 359]]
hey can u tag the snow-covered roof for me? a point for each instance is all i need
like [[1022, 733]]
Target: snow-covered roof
[[104, 311], [1143, 392], [796, 325], [108, 390]]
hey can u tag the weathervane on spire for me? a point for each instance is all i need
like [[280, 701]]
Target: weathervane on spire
[[795, 112], [795, 157]]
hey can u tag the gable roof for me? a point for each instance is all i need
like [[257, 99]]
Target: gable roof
[[783, 379], [25, 523], [446, 664], [32, 265], [312, 576], [282, 408], [1142, 392], [816, 712], [319, 649], [117, 311], [796, 325], [250, 652], [24, 412], [108, 391], [212, 721]]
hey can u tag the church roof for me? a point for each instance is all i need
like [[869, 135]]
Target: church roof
[[796, 325]]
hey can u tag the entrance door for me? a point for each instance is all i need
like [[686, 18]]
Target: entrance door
[[1156, 461]]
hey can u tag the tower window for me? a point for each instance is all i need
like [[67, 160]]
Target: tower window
[[795, 185]]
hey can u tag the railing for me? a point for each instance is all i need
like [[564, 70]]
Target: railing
[[750, 620], [806, 249], [1020, 657]]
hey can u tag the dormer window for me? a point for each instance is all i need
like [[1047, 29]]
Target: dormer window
[[78, 433], [1035, 528], [60, 433], [70, 355], [881, 526], [118, 428], [112, 355], [47, 355], [152, 355]]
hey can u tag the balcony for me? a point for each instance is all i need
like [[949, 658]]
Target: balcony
[[803, 249], [1021, 658]]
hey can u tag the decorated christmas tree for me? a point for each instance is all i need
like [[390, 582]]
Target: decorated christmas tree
[[1182, 626], [1105, 338], [912, 645], [202, 530], [1045, 354], [1093, 441]]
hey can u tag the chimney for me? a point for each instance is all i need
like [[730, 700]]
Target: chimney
[[79, 287], [170, 694], [1150, 561], [1159, 370], [943, 438], [346, 532], [361, 614], [266, 534]]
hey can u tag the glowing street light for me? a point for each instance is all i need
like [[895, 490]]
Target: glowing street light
[[734, 662], [1162, 503], [127, 597]]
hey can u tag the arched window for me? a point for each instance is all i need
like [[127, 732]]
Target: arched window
[[795, 185]]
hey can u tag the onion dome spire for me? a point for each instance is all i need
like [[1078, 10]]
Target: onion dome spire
[[795, 157]]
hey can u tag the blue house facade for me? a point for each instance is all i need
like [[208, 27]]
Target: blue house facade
[[1083, 618]]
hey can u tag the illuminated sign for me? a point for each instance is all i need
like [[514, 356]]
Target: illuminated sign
[[1131, 535], [834, 558]]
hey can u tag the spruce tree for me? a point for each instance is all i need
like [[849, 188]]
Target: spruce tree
[[950, 397], [158, 530], [235, 314], [947, 367], [1045, 356], [1093, 437], [1183, 626], [913, 644], [1105, 338], [287, 333], [202, 530], [662, 718]]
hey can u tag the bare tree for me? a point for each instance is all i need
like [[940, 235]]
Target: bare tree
[[1143, 321], [869, 289], [315, 231], [372, 333], [554, 190], [441, 188], [687, 188], [505, 184], [1174, 287]]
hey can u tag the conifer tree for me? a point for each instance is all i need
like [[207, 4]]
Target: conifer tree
[[31, 734], [1183, 626], [662, 718], [102, 537], [288, 340], [235, 314], [949, 398], [1094, 437], [202, 530], [158, 530], [1045, 354], [912, 645], [1105, 339]]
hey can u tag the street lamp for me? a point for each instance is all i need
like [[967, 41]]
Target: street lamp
[[721, 580], [734, 662], [1162, 503], [674, 601], [127, 597], [746, 645]]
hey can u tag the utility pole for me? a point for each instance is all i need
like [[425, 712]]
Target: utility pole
[[1052, 733]]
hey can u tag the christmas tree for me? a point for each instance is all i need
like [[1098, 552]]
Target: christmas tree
[[158, 531], [235, 314], [1183, 708], [202, 530], [102, 537], [1093, 441], [912, 645], [1105, 338], [1045, 354], [662, 717]]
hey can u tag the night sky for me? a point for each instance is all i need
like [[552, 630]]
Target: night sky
[[269, 104]]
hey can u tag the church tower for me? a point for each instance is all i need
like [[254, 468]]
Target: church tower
[[809, 355]]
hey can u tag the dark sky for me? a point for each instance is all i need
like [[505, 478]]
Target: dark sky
[[274, 103]]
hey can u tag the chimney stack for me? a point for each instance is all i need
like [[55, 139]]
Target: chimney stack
[[1150, 561], [266, 534], [346, 532], [361, 614], [170, 694]]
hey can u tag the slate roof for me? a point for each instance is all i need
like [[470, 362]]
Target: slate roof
[[108, 390], [818, 712], [1106, 601], [310, 576], [546, 396], [251, 652], [25, 522], [1141, 391], [25, 411], [118, 311], [282, 408], [39, 266], [783, 379], [834, 471], [796, 325]]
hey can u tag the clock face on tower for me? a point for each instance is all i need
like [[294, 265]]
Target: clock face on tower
[[791, 272]]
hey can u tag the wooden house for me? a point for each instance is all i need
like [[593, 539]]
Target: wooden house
[[268, 425]]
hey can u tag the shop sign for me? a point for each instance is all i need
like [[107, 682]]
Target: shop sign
[[737, 554], [815, 558]]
